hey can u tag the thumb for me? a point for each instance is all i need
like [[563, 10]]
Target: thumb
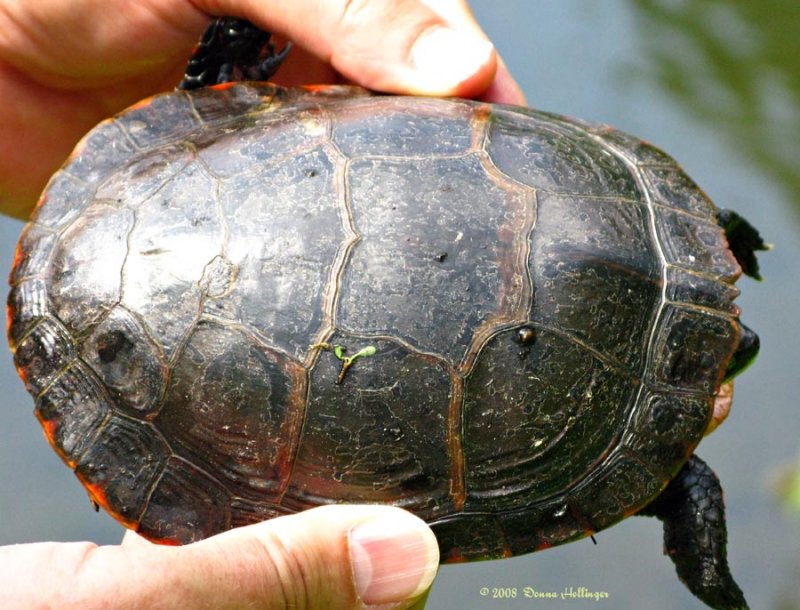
[[426, 47], [330, 557], [333, 557]]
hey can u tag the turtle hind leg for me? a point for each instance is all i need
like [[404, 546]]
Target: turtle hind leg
[[695, 536]]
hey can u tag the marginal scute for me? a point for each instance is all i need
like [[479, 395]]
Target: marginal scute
[[72, 410], [242, 149], [63, 200], [598, 510], [627, 480], [185, 506], [158, 120], [33, 253], [486, 537], [690, 350], [670, 186], [28, 302], [43, 353], [122, 465], [219, 104], [665, 430], [695, 245], [101, 153], [541, 526], [686, 287], [143, 175], [617, 488]]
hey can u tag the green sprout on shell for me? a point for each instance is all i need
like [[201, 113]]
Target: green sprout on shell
[[347, 361]]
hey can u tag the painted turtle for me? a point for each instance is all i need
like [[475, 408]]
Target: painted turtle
[[243, 301]]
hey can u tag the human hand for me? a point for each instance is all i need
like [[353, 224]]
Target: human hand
[[67, 64], [333, 557]]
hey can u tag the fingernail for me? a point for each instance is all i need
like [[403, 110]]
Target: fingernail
[[443, 58], [394, 558]]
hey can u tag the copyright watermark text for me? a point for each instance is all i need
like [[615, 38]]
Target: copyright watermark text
[[528, 592]]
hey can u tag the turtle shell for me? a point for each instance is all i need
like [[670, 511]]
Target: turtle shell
[[546, 307]]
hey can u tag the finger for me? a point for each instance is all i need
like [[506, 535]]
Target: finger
[[132, 539], [401, 46], [334, 557], [420, 602], [331, 557], [303, 68], [77, 44], [504, 89]]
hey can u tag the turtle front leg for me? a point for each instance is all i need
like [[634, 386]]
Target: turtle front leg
[[232, 50], [695, 536]]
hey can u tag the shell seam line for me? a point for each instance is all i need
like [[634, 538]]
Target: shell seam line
[[641, 183], [332, 289]]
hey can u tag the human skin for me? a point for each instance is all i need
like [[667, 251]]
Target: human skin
[[328, 558], [67, 64]]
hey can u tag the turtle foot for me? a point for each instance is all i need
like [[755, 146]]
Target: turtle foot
[[695, 536], [743, 240], [232, 50]]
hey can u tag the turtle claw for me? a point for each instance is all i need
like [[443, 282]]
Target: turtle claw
[[695, 536]]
